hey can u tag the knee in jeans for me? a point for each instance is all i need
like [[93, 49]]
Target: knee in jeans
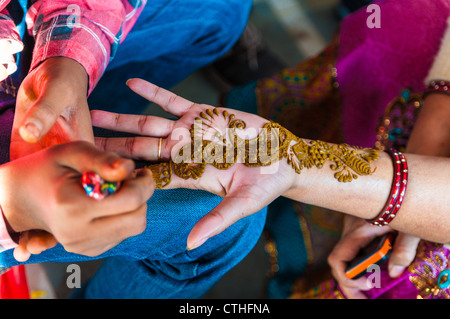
[[224, 22]]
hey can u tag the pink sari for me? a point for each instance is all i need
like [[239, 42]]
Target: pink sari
[[375, 65]]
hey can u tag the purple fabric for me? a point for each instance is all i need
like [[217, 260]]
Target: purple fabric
[[374, 65], [428, 277], [420, 280], [7, 104], [398, 288]]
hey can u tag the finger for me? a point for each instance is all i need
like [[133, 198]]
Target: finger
[[139, 148], [353, 285], [42, 115], [39, 241], [146, 125], [38, 121], [85, 157], [403, 254], [132, 194], [338, 261], [349, 246], [111, 231], [168, 101], [21, 253], [353, 293], [346, 250], [120, 227], [231, 209]]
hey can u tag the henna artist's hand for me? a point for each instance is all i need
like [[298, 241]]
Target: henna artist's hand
[[42, 195], [51, 107], [245, 189]]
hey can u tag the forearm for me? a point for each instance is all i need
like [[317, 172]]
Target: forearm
[[424, 211], [86, 31]]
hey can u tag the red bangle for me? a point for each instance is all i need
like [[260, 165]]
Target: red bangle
[[438, 86], [398, 190]]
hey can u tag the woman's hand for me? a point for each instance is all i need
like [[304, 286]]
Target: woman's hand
[[42, 195], [246, 190], [357, 233]]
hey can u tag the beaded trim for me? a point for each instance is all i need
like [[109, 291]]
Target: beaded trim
[[438, 86]]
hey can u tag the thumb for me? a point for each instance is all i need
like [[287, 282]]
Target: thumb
[[85, 157], [42, 115], [38, 121], [33, 242], [39, 240], [232, 208], [403, 254], [21, 253]]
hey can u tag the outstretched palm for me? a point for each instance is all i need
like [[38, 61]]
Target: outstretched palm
[[206, 148]]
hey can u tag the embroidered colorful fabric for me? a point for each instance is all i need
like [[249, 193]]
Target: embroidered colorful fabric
[[305, 98], [428, 277], [430, 273]]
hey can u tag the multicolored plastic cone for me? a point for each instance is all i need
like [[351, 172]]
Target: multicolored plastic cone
[[96, 187], [13, 284]]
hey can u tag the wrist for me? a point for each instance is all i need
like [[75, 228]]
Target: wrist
[[347, 174], [298, 183]]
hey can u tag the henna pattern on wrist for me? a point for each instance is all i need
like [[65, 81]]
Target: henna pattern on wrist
[[217, 139]]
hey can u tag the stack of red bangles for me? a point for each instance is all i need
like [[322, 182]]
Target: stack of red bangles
[[397, 191]]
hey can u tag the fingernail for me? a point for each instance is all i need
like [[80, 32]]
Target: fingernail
[[114, 162], [127, 82], [123, 163], [197, 243], [396, 271], [30, 131]]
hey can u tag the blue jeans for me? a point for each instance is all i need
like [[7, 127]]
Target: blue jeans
[[171, 39]]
